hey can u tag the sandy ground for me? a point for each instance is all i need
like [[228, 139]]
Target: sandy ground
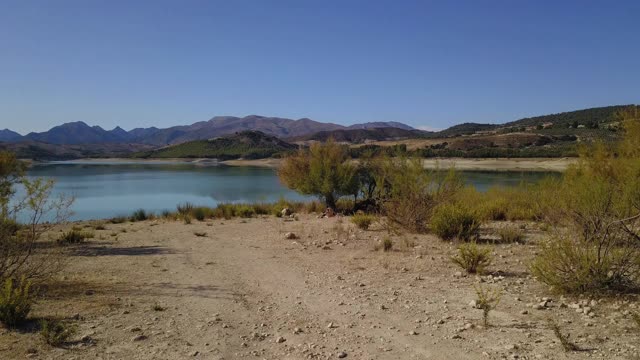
[[515, 164], [244, 291], [494, 164]]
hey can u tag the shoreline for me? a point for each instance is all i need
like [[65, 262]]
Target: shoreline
[[463, 164]]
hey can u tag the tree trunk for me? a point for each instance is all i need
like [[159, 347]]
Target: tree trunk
[[330, 201]]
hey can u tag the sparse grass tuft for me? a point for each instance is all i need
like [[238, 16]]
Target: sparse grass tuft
[[56, 333], [487, 301], [636, 318], [363, 221], [387, 244], [472, 258], [118, 220], [510, 234], [186, 218], [75, 236], [139, 215]]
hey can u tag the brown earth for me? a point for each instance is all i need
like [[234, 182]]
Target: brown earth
[[156, 290]]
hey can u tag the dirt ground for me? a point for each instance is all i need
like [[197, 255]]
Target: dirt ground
[[240, 289]]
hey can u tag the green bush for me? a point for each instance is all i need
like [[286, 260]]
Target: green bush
[[363, 221], [452, 221], [472, 258], [200, 213], [408, 194], [75, 236], [244, 211], [15, 302], [56, 333], [139, 215]]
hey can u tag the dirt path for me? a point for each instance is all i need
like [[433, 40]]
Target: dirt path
[[156, 290]]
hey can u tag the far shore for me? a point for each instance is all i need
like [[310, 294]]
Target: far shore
[[464, 164]]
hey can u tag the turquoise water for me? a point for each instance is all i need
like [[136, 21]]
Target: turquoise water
[[111, 189]]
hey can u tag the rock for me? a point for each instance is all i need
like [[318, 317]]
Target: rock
[[87, 339], [342, 355], [473, 304], [140, 338], [89, 292], [280, 340], [329, 212], [413, 332], [290, 236], [195, 353], [286, 212]]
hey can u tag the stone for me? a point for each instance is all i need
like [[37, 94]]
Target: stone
[[280, 340], [342, 355], [286, 212], [290, 236], [140, 338]]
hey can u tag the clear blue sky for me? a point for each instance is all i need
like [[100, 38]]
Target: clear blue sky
[[425, 63]]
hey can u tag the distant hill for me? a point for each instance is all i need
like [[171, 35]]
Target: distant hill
[[245, 144], [44, 151], [464, 129], [360, 135], [381, 124], [586, 118], [80, 133], [8, 135]]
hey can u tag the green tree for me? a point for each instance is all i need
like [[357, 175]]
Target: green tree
[[324, 170]]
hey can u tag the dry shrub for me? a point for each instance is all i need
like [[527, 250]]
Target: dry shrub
[[55, 332], [363, 221], [598, 204], [487, 301], [20, 255], [472, 258], [452, 221]]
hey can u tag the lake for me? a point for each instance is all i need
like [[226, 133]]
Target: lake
[[104, 190]]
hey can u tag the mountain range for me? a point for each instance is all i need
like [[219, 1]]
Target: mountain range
[[75, 133]]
